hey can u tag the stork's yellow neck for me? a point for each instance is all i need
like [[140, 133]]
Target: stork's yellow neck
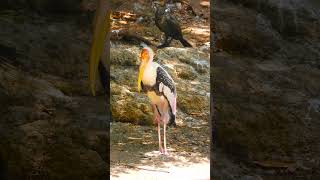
[[146, 60]]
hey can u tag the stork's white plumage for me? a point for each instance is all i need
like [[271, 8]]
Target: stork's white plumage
[[161, 90]]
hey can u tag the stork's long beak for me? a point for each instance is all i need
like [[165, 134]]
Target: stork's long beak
[[101, 28], [141, 71]]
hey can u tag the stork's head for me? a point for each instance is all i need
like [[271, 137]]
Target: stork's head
[[146, 54], [146, 57]]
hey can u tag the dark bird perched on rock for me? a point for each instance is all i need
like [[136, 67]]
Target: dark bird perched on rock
[[169, 25]]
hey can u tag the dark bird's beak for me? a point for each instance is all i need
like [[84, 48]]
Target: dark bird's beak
[[101, 27]]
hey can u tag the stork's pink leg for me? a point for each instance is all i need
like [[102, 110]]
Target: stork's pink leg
[[156, 117], [159, 137], [164, 138], [155, 113]]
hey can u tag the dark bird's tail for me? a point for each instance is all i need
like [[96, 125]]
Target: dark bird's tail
[[185, 43]]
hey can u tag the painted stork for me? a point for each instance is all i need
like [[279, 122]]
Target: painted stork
[[160, 88]]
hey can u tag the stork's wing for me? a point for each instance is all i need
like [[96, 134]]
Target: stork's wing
[[166, 86]]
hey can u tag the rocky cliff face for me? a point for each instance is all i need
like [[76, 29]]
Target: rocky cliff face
[[50, 126], [266, 87], [45, 6]]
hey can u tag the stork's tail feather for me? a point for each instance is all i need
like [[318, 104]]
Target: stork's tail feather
[[185, 43], [172, 120]]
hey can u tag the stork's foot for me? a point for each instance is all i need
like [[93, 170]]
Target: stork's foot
[[161, 151], [164, 153]]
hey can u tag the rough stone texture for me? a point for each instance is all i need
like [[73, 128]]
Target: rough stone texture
[[266, 88], [50, 125], [44, 6]]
